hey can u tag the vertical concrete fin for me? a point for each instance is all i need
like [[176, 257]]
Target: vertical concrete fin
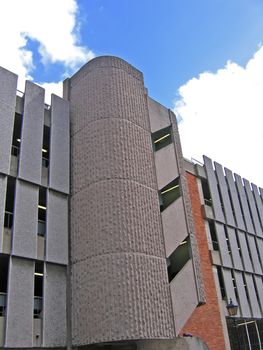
[[213, 186], [25, 220], [7, 114], [19, 323], [54, 321], [57, 228], [30, 162], [59, 145], [3, 181], [235, 199]]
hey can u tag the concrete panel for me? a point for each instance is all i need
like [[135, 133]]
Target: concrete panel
[[225, 195], [8, 82], [254, 254], [112, 148], [223, 248], [244, 251], [174, 226], [3, 180], [237, 262], [59, 144], [166, 165], [30, 164], [212, 182], [243, 301], [244, 204], [57, 228], [2, 330], [253, 208], [54, 322], [159, 115], [259, 243], [19, 331], [229, 286], [259, 286], [235, 200], [115, 216], [183, 285], [25, 220], [123, 296], [259, 202], [255, 308]]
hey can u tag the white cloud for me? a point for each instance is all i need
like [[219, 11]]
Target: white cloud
[[52, 23], [222, 117]]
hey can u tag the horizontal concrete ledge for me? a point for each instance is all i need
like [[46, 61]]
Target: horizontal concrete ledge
[[179, 343]]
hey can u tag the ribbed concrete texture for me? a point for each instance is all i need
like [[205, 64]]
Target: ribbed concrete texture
[[119, 281]]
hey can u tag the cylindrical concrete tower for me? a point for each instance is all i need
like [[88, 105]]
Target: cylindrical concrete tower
[[119, 281]]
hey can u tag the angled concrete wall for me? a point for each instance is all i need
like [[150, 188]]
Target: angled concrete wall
[[119, 281]]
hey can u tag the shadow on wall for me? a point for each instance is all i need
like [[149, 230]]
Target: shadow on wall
[[179, 343]]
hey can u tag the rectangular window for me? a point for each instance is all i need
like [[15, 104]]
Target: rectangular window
[[162, 138]]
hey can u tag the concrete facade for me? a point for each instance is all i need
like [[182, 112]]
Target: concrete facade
[[108, 236]]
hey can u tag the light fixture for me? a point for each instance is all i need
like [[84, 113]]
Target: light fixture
[[18, 140], [170, 189], [44, 150], [42, 207], [232, 308], [162, 138], [183, 242], [38, 274]]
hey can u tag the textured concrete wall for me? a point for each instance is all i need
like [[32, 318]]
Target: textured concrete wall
[[8, 83], [119, 281], [25, 220], [30, 163], [57, 228], [59, 145], [19, 328], [54, 316]]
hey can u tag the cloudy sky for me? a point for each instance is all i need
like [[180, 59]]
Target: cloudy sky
[[204, 59]]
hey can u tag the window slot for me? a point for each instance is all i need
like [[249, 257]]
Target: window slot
[[169, 193], [178, 259], [3, 283], [45, 146], [162, 138], [16, 135], [9, 203], [42, 208], [213, 235], [206, 192], [38, 289]]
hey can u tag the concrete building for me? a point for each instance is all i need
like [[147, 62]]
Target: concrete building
[[108, 236]]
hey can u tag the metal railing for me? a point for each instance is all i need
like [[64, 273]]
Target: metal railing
[[45, 162], [15, 151], [2, 303], [38, 306], [41, 228], [8, 223]]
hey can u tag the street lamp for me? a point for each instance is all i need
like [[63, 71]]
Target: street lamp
[[232, 312]]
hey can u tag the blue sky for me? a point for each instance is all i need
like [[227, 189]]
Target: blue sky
[[204, 59]]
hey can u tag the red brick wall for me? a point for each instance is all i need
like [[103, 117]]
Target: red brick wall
[[205, 322]]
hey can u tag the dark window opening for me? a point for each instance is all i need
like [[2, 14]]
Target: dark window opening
[[162, 138], [221, 283], [45, 147], [178, 259], [16, 135], [3, 283], [38, 289], [206, 192], [238, 244], [42, 208], [213, 235], [234, 285], [245, 286], [9, 202], [227, 241], [169, 193]]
